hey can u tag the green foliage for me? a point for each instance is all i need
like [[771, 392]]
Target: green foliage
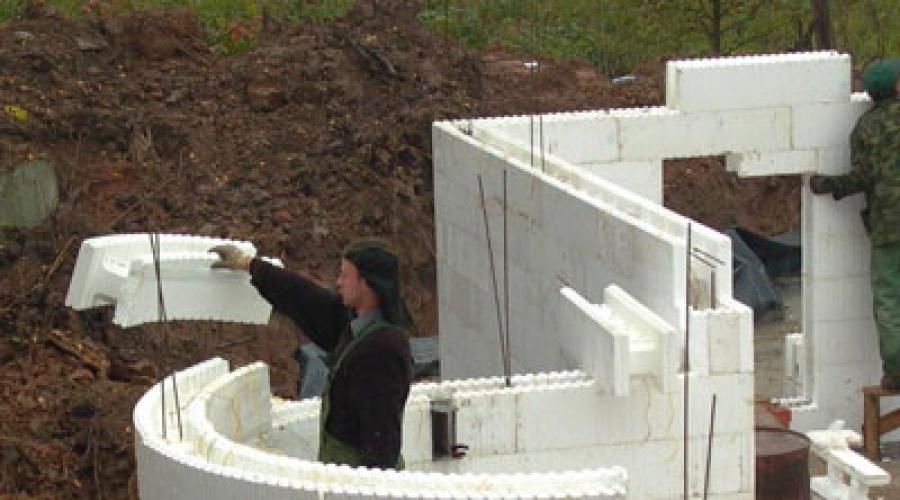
[[617, 35], [9, 9]]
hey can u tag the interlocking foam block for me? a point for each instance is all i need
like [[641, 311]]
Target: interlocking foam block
[[757, 81], [642, 178], [233, 468], [756, 163], [849, 474], [665, 133], [120, 270], [618, 339], [590, 338]]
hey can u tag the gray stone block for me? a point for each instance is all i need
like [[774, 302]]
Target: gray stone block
[[28, 194]]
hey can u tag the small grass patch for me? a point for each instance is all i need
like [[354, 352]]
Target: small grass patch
[[230, 24]]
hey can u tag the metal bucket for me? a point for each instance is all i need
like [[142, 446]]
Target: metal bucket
[[782, 464]]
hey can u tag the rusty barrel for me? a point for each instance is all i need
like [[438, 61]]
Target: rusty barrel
[[782, 464]]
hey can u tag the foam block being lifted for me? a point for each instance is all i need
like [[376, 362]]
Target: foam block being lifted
[[120, 270]]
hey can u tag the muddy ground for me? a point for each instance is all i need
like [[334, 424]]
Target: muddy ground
[[319, 134]]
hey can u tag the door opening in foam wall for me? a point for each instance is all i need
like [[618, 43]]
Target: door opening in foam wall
[[701, 188]]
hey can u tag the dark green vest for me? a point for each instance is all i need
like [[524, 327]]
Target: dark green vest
[[331, 449]]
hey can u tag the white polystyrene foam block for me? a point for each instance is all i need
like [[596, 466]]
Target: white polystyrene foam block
[[487, 424], [102, 255], [120, 270], [642, 178], [582, 141], [729, 332], [595, 345], [191, 291], [757, 163], [832, 161], [846, 341], [758, 82], [681, 135], [842, 298], [827, 124]]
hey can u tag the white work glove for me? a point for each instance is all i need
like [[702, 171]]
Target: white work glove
[[231, 257]]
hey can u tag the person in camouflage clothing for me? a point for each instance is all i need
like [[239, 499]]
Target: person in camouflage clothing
[[875, 155]]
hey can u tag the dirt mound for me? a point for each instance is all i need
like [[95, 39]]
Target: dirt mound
[[319, 134]]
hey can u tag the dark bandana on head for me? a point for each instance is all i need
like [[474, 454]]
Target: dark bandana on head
[[379, 265]]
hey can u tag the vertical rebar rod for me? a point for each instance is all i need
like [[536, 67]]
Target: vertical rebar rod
[[162, 316], [487, 234], [712, 428], [531, 135], [541, 121], [687, 360], [154, 252], [162, 389], [507, 353], [177, 405]]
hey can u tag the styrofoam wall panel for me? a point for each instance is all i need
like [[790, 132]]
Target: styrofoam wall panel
[[230, 469], [566, 254], [585, 340], [580, 137], [117, 252], [239, 404], [757, 163], [839, 341], [751, 82], [843, 298], [642, 178], [120, 270], [664, 133], [147, 414], [826, 124], [730, 334], [633, 208]]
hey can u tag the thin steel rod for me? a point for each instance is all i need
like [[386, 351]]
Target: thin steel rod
[[531, 137], [506, 354], [709, 442], [154, 245], [541, 121], [708, 256], [687, 361], [177, 405], [704, 260], [162, 388], [487, 234], [162, 316]]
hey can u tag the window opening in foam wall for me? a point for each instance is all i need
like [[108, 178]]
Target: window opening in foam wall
[[762, 217]]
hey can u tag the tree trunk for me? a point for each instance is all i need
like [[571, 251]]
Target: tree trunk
[[716, 24], [822, 23]]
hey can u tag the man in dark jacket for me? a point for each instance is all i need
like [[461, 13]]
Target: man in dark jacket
[[363, 328], [875, 155]]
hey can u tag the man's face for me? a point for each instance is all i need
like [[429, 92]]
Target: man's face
[[350, 285]]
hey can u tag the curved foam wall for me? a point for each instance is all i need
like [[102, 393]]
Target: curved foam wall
[[229, 448]]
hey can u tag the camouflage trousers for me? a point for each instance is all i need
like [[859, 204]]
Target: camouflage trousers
[[886, 301]]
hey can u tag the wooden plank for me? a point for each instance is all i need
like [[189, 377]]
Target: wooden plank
[[889, 422], [871, 426]]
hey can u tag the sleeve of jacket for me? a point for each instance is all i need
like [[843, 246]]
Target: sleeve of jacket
[[380, 383], [315, 309], [859, 179]]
